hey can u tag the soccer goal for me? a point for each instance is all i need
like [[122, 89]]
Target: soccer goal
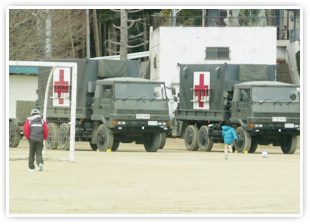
[[53, 92]]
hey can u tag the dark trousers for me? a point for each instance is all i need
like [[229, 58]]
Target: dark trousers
[[35, 150]]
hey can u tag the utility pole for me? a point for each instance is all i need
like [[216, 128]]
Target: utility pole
[[87, 35]]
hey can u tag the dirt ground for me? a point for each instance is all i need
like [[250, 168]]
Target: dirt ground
[[170, 181]]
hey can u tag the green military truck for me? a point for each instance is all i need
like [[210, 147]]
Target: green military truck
[[16, 125], [261, 110], [113, 106]]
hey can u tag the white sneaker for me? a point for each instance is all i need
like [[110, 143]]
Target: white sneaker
[[226, 156], [31, 170], [40, 167]]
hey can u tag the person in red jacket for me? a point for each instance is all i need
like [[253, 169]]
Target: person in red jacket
[[35, 131]]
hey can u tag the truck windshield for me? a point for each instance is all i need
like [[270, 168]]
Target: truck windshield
[[149, 91], [271, 94]]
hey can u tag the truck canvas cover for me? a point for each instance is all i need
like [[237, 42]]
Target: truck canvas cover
[[253, 72], [223, 77], [117, 68]]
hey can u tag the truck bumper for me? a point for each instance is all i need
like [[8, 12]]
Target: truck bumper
[[274, 131], [139, 129]]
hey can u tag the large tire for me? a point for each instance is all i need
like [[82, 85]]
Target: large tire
[[204, 142], [104, 138], [115, 145], [289, 145], [14, 135], [94, 147], [253, 147], [163, 137], [191, 138], [64, 136], [153, 144], [244, 140], [52, 139]]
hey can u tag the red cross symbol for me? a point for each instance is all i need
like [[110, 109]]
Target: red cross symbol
[[61, 86], [201, 89]]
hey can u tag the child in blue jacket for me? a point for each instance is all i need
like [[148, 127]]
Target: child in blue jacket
[[229, 136]]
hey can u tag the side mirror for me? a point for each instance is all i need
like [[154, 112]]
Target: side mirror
[[175, 99], [173, 91], [108, 93]]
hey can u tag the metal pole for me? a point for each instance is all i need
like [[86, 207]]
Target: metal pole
[[87, 35], [45, 100]]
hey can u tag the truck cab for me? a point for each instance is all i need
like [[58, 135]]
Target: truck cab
[[128, 109], [266, 112]]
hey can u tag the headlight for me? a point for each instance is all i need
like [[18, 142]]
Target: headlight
[[121, 122], [258, 125]]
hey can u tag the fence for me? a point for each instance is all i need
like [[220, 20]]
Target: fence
[[223, 21]]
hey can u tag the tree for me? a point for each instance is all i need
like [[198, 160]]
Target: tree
[[28, 39], [124, 27]]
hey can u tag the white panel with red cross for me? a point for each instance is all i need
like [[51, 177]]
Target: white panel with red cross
[[201, 88], [61, 87]]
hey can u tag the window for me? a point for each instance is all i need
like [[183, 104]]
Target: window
[[217, 53], [245, 95], [104, 91]]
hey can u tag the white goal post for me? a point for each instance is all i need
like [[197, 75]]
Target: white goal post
[[72, 65]]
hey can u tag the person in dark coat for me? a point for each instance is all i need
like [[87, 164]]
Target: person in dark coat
[[229, 136], [35, 131]]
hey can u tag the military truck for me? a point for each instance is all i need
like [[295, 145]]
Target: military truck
[[113, 106], [16, 125], [261, 110]]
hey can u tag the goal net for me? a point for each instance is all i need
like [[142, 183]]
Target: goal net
[[52, 90]]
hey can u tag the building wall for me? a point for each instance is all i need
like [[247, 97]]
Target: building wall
[[187, 45], [281, 52], [21, 87]]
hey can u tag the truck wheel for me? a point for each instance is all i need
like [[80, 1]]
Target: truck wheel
[[191, 138], [289, 145], [94, 147], [115, 145], [253, 147], [64, 136], [153, 144], [163, 137], [244, 140], [204, 142], [52, 139], [14, 135], [104, 138]]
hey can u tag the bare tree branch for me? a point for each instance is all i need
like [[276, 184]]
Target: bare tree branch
[[113, 42], [135, 36], [134, 11], [131, 25], [117, 27], [138, 45], [116, 10]]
